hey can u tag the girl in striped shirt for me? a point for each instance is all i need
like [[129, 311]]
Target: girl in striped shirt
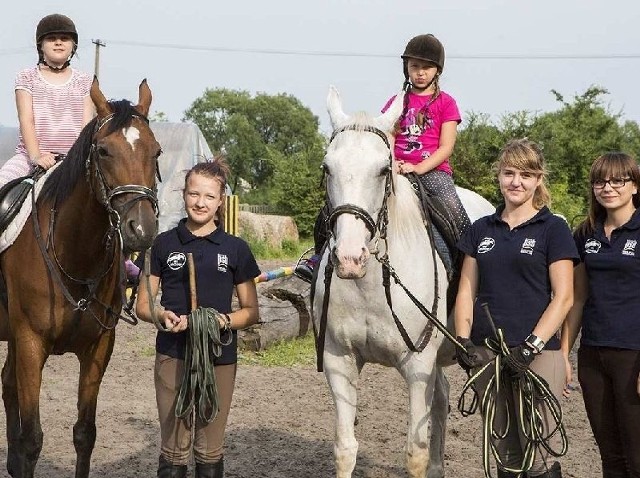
[[52, 100]]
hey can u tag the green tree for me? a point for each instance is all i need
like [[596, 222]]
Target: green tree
[[254, 130], [571, 137], [300, 177]]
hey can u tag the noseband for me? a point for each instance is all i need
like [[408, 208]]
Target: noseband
[[380, 224]]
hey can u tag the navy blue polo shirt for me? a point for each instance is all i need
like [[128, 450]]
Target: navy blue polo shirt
[[611, 314], [221, 262], [513, 268]]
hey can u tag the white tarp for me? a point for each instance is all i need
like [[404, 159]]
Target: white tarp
[[183, 145]]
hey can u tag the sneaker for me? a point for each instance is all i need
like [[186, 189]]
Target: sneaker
[[304, 270]]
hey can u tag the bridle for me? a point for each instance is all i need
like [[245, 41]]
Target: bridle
[[378, 232], [105, 197], [107, 194], [377, 228]]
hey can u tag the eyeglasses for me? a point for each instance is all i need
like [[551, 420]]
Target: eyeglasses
[[615, 183]]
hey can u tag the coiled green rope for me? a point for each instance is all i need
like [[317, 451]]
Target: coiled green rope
[[198, 390]]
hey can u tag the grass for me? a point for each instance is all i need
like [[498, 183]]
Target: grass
[[288, 249], [285, 353]]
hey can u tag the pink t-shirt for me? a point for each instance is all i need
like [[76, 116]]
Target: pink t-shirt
[[57, 109], [414, 144]]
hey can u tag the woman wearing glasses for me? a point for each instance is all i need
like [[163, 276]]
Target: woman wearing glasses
[[607, 307]]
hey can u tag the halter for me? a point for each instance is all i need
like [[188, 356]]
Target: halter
[[105, 198]]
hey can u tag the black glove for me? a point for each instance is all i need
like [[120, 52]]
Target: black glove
[[518, 360], [467, 359]]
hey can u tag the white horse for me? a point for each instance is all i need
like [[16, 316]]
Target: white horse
[[368, 202]]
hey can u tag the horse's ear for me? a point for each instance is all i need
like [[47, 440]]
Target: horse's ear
[[334, 107], [102, 105], [144, 98], [387, 120]]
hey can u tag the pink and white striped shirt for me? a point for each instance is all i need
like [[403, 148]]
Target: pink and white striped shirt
[[57, 109]]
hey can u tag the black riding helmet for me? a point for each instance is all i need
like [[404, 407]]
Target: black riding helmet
[[424, 47], [55, 23]]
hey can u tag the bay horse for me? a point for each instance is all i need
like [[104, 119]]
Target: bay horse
[[375, 215], [64, 272]]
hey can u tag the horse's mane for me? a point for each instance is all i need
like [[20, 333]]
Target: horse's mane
[[63, 180]]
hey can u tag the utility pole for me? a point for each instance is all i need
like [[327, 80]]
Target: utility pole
[[98, 43]]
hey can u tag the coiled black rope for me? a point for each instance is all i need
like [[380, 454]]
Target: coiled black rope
[[533, 398], [198, 390]]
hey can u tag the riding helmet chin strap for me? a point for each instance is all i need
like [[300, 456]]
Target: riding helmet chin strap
[[56, 69]]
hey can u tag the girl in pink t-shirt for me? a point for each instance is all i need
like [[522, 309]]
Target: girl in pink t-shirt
[[52, 100], [427, 128], [424, 139]]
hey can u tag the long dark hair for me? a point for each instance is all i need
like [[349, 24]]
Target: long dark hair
[[215, 168], [614, 164]]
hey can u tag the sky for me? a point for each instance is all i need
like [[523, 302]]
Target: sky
[[502, 56]]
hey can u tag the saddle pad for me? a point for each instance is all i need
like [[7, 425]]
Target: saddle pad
[[14, 228]]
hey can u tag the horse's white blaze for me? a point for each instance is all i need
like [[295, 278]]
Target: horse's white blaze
[[360, 327], [131, 134]]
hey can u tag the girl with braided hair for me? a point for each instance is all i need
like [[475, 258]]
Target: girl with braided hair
[[426, 131], [223, 263], [425, 135]]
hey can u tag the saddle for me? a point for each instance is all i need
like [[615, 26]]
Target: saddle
[[13, 194], [445, 235]]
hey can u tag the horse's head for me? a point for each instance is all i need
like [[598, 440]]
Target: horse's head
[[358, 173], [123, 164]]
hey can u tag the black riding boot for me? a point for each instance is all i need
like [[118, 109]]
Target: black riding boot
[[210, 470], [169, 470], [553, 472]]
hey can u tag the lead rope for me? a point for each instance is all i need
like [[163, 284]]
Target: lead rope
[[534, 397], [198, 392]]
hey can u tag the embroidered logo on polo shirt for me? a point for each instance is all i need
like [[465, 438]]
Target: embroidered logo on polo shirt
[[592, 246], [630, 248], [176, 260], [527, 246], [223, 263], [486, 245]]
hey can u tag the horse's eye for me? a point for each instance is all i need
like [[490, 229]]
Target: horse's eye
[[325, 169], [385, 170], [102, 151]]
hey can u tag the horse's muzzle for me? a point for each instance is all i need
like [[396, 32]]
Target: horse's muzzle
[[139, 227], [350, 267]]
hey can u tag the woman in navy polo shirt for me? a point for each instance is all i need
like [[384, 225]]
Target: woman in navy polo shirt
[[519, 261], [222, 262], [607, 306]]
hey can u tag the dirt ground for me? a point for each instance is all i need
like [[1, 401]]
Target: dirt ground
[[281, 423]]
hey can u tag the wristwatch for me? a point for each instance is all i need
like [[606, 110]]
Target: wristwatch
[[535, 342]]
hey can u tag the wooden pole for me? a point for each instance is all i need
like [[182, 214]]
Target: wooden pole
[[192, 281], [96, 67]]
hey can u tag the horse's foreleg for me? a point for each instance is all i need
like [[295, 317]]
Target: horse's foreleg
[[30, 356], [12, 410], [420, 377], [342, 375], [93, 363], [439, 413]]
